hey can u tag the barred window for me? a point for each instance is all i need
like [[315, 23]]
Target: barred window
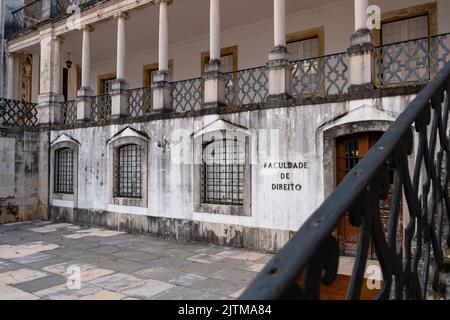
[[128, 172], [223, 172], [64, 171]]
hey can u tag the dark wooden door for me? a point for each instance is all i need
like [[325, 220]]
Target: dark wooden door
[[349, 151]]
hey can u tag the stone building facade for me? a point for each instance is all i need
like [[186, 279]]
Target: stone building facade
[[284, 97]]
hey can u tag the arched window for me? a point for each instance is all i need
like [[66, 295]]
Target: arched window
[[64, 171], [223, 172], [128, 172]]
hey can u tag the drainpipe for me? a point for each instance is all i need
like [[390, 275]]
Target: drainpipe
[[48, 174]]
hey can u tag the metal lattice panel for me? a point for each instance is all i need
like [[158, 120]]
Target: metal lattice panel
[[18, 113], [64, 171], [223, 173], [139, 101], [28, 16], [396, 168], [187, 95], [321, 76], [247, 86], [412, 62], [101, 108], [69, 112], [128, 172]]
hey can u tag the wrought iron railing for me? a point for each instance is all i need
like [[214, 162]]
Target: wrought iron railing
[[139, 101], [101, 108], [69, 112], [41, 11], [27, 17], [247, 86], [18, 113], [412, 62], [187, 95], [321, 76], [309, 262]]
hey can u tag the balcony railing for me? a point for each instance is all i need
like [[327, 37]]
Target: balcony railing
[[322, 76], [101, 108], [412, 62], [187, 95], [309, 263], [69, 112], [18, 113], [139, 101], [43, 11], [247, 86]]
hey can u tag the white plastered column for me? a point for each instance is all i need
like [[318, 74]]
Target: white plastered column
[[119, 93], [361, 51], [160, 86], [278, 66], [85, 93], [213, 78], [11, 76]]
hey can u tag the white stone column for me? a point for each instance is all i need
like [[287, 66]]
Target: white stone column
[[85, 93], [279, 68], [361, 14], [361, 51], [11, 76], [50, 95], [160, 87], [119, 92], [279, 9], [213, 78]]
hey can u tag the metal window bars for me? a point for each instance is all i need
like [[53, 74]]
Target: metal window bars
[[101, 108], [18, 113], [223, 172], [69, 112], [64, 171], [321, 76], [310, 260], [187, 95], [248, 86], [412, 62], [128, 172], [139, 101]]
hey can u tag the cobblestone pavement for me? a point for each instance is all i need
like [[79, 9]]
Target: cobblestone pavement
[[41, 260]]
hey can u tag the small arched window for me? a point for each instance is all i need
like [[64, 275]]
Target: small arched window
[[223, 172], [128, 172], [64, 171]]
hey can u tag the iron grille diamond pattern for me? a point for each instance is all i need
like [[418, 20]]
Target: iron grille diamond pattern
[[69, 112], [247, 86], [139, 101], [187, 95], [101, 108], [18, 113]]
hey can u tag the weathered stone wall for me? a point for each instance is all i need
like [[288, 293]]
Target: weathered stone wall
[[282, 134], [19, 159]]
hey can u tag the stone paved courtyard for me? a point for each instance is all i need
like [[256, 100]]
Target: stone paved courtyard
[[37, 257]]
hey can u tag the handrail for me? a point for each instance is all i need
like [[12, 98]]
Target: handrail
[[311, 257], [25, 6], [412, 40]]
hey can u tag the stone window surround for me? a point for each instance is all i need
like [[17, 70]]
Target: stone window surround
[[113, 147], [244, 210], [75, 149]]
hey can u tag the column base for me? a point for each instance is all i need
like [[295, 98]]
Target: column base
[[119, 99], [279, 71], [84, 103], [49, 108], [362, 61], [215, 85], [161, 92]]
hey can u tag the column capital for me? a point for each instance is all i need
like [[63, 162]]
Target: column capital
[[122, 14], [88, 27], [169, 2]]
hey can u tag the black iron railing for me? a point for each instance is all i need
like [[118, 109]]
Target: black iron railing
[[412, 62], [310, 259], [43, 11], [18, 113], [247, 86], [139, 101], [69, 112], [187, 95], [321, 76], [101, 107]]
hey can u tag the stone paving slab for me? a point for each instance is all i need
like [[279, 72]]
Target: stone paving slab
[[37, 260]]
